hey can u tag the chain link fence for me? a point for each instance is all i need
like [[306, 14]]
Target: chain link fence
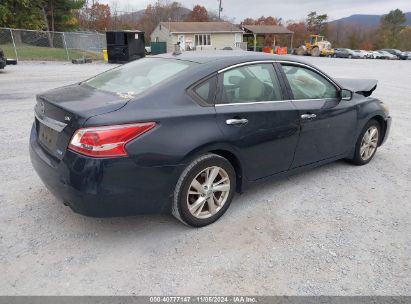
[[42, 45]]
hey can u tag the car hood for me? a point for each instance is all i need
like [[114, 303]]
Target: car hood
[[364, 87]]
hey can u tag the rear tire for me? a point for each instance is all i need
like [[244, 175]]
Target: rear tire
[[204, 190], [367, 143], [301, 51]]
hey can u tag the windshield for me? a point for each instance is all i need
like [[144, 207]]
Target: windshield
[[138, 76]]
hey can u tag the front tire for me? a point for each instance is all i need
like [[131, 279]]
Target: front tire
[[315, 52], [204, 190], [367, 143]]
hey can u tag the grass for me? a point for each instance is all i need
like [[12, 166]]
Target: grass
[[29, 52]]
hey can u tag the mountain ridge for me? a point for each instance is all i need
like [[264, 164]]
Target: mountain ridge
[[362, 20], [365, 20]]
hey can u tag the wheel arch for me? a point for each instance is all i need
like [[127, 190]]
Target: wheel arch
[[235, 162], [371, 109], [226, 151], [383, 126], [366, 112], [381, 121]]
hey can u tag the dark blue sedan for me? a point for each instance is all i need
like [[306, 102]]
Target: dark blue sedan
[[182, 133]]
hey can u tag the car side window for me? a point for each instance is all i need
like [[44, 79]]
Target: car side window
[[307, 84], [206, 90], [250, 83]]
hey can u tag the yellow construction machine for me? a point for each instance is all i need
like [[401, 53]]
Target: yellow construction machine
[[317, 46]]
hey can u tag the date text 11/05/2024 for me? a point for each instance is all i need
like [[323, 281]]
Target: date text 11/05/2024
[[203, 299]]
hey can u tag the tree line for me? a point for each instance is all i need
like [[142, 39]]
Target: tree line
[[50, 15], [391, 33], [91, 15]]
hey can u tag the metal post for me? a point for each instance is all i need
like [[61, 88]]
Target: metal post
[[219, 11], [14, 45], [292, 36], [100, 44], [255, 42], [65, 46]]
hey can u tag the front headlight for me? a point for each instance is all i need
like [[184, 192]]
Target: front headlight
[[386, 108]]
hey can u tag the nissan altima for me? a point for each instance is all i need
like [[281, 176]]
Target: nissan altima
[[182, 133]]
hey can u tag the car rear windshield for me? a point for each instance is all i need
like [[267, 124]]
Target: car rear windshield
[[138, 76]]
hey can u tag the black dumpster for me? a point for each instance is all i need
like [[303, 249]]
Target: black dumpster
[[125, 46]]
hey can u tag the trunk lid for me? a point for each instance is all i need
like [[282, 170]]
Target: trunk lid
[[364, 87], [60, 112]]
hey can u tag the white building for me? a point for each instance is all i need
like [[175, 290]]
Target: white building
[[198, 35]]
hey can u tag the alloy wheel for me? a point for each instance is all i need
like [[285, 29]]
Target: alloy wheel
[[208, 192], [369, 143]]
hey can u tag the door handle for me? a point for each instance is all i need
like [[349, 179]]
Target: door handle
[[236, 121], [308, 116]]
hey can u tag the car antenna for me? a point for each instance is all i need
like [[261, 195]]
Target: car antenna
[[177, 49]]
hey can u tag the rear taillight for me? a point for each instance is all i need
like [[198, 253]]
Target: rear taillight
[[107, 141]]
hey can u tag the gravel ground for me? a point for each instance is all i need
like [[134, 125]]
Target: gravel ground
[[336, 230]]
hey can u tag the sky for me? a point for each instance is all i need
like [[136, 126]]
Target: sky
[[286, 9]]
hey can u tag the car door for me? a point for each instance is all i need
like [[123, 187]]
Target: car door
[[342, 53], [345, 53], [327, 123], [337, 53], [256, 118]]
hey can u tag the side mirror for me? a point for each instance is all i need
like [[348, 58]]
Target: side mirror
[[346, 94]]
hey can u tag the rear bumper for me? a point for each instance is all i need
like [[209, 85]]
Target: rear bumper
[[387, 130], [104, 187]]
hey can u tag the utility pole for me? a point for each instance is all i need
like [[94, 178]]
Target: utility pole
[[219, 10]]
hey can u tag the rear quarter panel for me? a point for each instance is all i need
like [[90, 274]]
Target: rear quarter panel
[[183, 127]]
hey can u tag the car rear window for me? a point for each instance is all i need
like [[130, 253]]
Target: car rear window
[[138, 76], [206, 90]]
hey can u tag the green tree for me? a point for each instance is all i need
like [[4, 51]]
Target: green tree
[[405, 39], [354, 40], [321, 22], [39, 14], [310, 21], [317, 24], [60, 15], [26, 14], [390, 28]]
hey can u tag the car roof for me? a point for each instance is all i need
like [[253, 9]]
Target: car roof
[[226, 56], [209, 62]]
